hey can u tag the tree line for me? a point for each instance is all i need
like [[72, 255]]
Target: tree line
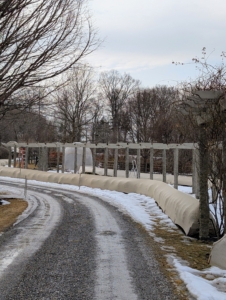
[[112, 108]]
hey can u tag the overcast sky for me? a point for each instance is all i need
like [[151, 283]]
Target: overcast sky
[[143, 37]]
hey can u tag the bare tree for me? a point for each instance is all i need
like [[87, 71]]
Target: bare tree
[[26, 127], [207, 119], [38, 41], [75, 104], [96, 129], [151, 114], [151, 117], [116, 89]]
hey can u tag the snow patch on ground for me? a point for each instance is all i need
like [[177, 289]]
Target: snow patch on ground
[[6, 261], [4, 202], [209, 284]]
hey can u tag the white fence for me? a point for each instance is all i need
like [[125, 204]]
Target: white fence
[[138, 147]]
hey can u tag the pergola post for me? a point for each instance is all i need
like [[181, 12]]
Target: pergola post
[[94, 160], [10, 157], [46, 158], [58, 159], [26, 157], [106, 161], [151, 163], [39, 158], [164, 165], [83, 160], [138, 163], [127, 162], [175, 167], [63, 158], [14, 157], [75, 160], [115, 162], [19, 156]]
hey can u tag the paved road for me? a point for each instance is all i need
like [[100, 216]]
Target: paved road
[[73, 246]]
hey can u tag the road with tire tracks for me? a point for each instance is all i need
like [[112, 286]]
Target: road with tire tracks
[[73, 246]]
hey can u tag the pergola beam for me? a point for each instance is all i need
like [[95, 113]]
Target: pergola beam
[[158, 146]]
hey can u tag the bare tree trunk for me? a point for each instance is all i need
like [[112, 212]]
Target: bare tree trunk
[[224, 177], [203, 175]]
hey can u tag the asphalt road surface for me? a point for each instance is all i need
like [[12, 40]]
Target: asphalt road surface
[[73, 246]]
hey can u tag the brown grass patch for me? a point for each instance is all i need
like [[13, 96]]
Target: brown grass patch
[[9, 213], [191, 250]]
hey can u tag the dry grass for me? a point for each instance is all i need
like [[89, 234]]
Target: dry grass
[[9, 213], [193, 252]]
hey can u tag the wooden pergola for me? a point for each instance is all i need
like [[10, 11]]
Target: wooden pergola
[[136, 146]]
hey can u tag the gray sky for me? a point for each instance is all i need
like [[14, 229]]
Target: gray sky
[[143, 37]]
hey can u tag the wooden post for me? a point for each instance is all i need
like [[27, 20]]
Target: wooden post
[[45, 158], [26, 157], [94, 160], [151, 163], [39, 165], [105, 161], [19, 156], [75, 160], [14, 157], [127, 162], [83, 160], [138, 163], [10, 157], [164, 165], [116, 162], [175, 167], [41, 159], [63, 158], [58, 159]]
